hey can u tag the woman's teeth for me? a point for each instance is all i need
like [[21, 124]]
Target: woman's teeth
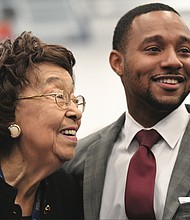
[[69, 132]]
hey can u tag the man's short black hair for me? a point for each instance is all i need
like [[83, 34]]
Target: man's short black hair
[[123, 26]]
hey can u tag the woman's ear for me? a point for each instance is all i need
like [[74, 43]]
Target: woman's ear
[[116, 60]]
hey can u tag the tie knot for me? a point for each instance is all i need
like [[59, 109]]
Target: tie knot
[[147, 137]]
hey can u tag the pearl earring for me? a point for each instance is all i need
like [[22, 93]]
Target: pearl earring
[[15, 130]]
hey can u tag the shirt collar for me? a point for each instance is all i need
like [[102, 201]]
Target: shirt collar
[[170, 128]]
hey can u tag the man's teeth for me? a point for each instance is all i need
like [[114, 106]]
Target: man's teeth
[[69, 132], [169, 81]]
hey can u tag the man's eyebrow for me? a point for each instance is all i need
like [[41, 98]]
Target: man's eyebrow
[[159, 39], [156, 38], [184, 39]]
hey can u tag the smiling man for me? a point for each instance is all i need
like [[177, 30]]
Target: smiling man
[[139, 166]]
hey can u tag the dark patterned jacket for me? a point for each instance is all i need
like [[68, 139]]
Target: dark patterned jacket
[[62, 199]]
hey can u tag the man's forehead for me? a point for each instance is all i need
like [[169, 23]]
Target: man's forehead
[[158, 19]]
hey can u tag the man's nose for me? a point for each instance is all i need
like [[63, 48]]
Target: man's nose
[[171, 60]]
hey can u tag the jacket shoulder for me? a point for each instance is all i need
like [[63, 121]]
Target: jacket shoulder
[[76, 165], [104, 132]]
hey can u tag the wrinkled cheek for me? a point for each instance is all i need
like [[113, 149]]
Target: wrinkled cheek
[[62, 150]]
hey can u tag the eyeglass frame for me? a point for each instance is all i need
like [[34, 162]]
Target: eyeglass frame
[[55, 94]]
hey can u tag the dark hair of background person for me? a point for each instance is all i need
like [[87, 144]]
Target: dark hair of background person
[[17, 60], [122, 29]]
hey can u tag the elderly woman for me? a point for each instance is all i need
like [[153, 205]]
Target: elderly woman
[[39, 119]]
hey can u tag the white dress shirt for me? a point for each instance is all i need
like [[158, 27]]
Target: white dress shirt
[[165, 151]]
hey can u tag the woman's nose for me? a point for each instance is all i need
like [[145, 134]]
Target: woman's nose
[[73, 111]]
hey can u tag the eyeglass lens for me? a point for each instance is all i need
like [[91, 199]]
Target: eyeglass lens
[[80, 103], [63, 101]]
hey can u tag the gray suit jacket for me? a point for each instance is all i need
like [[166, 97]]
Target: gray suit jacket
[[89, 167]]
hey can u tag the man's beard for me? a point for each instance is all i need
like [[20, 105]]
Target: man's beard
[[164, 105]]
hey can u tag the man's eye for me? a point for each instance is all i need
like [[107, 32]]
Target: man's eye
[[184, 50], [153, 49]]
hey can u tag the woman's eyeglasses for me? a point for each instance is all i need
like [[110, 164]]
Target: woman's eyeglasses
[[62, 99]]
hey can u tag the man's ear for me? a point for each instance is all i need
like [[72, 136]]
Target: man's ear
[[116, 60]]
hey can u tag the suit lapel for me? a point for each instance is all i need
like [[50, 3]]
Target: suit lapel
[[95, 169], [180, 179]]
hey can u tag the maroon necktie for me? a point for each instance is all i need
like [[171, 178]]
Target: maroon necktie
[[139, 194]]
